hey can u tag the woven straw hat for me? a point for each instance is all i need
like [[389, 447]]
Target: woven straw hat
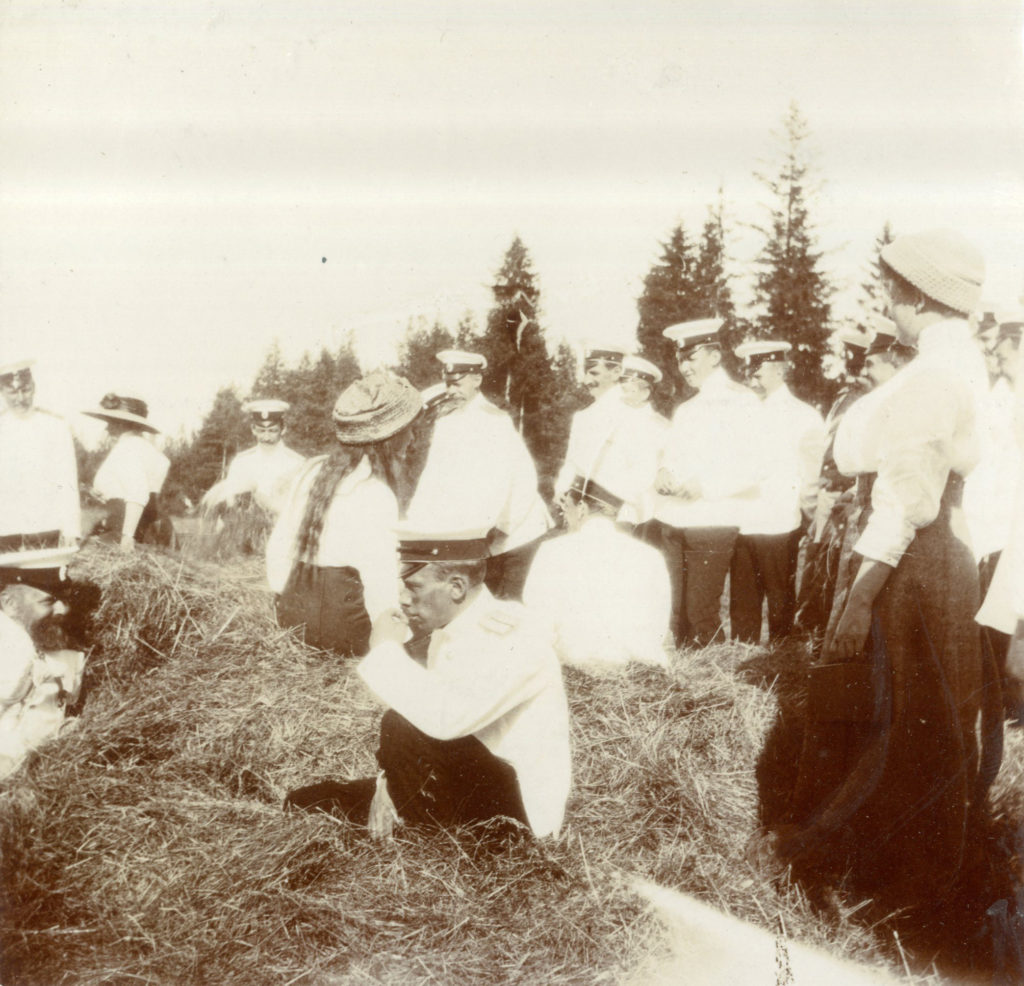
[[117, 407], [375, 407], [941, 264]]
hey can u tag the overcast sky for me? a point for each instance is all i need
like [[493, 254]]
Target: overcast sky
[[181, 183]]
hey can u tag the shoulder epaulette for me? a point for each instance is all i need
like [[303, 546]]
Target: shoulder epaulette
[[500, 621]]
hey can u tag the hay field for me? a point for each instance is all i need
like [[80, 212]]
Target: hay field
[[148, 844]]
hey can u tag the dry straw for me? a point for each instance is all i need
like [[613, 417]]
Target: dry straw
[[149, 845]]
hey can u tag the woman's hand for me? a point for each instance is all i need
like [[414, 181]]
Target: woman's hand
[[852, 630], [851, 633], [127, 543]]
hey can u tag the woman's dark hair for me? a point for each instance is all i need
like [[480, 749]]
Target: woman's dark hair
[[911, 291], [396, 461]]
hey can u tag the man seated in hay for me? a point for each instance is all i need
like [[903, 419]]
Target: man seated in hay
[[481, 730], [39, 679], [606, 594]]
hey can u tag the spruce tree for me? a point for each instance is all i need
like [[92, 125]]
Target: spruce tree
[[792, 290], [668, 297], [871, 287], [418, 350]]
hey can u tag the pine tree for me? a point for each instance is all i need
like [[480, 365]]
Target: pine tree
[[417, 352], [269, 382], [871, 287], [312, 388], [792, 290], [668, 297], [197, 465], [521, 377]]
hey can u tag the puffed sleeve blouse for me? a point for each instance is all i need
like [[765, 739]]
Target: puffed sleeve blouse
[[912, 432]]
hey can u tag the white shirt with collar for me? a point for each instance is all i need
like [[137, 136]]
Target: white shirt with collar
[[606, 595], [912, 431], [39, 478], [1004, 603], [134, 468], [479, 474], [588, 434], [989, 489], [792, 445], [490, 673], [264, 471], [713, 439], [358, 530]]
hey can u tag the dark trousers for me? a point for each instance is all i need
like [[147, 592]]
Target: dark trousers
[[431, 782], [326, 602], [763, 567], [506, 573], [698, 561]]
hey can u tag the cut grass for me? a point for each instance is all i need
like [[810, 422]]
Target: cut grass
[[148, 845]]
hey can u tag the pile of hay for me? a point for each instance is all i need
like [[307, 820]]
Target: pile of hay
[[149, 845]]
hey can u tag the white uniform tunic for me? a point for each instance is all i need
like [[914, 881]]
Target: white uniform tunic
[[358, 531], [480, 475], [588, 435], [39, 478], [713, 439], [792, 445], [606, 595], [491, 673], [265, 471], [913, 431], [133, 469]]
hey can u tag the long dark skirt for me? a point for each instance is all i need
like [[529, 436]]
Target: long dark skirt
[[327, 603], [891, 775]]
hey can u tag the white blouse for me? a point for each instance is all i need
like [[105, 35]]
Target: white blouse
[[133, 469], [913, 431], [359, 531]]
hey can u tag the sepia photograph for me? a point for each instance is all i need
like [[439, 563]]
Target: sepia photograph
[[511, 493]]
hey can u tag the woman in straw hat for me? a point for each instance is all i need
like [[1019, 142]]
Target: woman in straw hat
[[130, 478], [891, 777], [332, 556]]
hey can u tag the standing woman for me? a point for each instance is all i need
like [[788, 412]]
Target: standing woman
[[889, 786], [332, 556], [131, 476]]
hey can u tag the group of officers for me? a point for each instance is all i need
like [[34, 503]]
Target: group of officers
[[656, 516]]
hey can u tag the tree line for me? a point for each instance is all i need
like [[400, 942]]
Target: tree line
[[534, 377]]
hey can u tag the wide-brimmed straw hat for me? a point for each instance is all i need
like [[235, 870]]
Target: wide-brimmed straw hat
[[375, 407], [116, 407], [940, 263]]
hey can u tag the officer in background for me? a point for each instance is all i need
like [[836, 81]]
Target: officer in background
[[628, 460], [885, 353], [264, 471], [606, 595], [592, 426], [479, 474], [764, 562], [482, 730], [39, 502], [709, 471], [835, 493]]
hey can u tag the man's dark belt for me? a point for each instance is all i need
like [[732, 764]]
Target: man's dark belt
[[29, 542]]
